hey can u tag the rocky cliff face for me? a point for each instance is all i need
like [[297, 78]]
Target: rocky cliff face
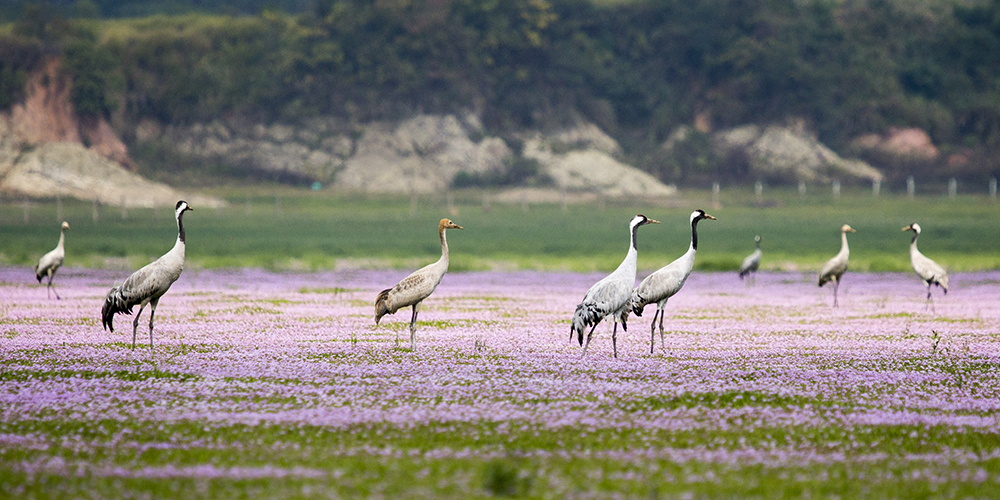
[[42, 152], [785, 153], [422, 154]]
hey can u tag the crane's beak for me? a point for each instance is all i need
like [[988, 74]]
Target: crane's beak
[[456, 226], [907, 228], [652, 221], [710, 217]]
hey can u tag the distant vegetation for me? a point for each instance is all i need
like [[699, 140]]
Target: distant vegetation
[[639, 69]]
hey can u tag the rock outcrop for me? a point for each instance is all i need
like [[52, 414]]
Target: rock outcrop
[[71, 170], [905, 143], [789, 154], [422, 154], [582, 158], [42, 152]]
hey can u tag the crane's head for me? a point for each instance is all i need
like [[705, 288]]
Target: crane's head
[[913, 227], [181, 207], [641, 220], [847, 229], [447, 224], [756, 239], [65, 225], [699, 215]]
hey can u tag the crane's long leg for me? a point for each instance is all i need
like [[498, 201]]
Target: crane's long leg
[[663, 345], [836, 285], [652, 331], [152, 311], [589, 335], [413, 327], [135, 323], [52, 275], [614, 338], [930, 299]]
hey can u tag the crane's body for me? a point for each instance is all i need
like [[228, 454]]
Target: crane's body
[[609, 296], [667, 281], [927, 269], [416, 287], [50, 262], [148, 284], [837, 266], [751, 263]]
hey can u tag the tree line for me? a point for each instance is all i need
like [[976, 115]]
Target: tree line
[[639, 69]]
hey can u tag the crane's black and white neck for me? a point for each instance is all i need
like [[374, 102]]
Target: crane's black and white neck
[[179, 210], [696, 216], [633, 226], [916, 232]]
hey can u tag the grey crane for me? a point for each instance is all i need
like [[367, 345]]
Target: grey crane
[[50, 262], [610, 296], [416, 287], [148, 284], [667, 281], [752, 262], [835, 267], [927, 269]]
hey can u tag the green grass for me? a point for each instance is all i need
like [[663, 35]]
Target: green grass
[[325, 230], [409, 473]]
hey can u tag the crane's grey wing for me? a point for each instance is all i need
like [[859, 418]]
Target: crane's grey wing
[[415, 287], [662, 284], [833, 267], [929, 270], [750, 263], [52, 259]]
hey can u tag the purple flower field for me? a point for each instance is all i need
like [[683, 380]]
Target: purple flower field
[[264, 384]]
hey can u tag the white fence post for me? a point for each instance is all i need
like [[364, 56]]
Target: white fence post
[[802, 190], [876, 187], [715, 194], [952, 188], [836, 189], [758, 189], [993, 188], [911, 186]]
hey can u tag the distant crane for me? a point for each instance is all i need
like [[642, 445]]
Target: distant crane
[[610, 296], [835, 267], [667, 281], [927, 269], [148, 284], [416, 287], [50, 262], [752, 262]]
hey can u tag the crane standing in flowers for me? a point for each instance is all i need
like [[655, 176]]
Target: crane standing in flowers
[[752, 262], [837, 266], [148, 284], [50, 262], [416, 287], [927, 269], [667, 281], [610, 296]]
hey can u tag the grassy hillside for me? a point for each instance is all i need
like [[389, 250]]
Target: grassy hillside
[[321, 230]]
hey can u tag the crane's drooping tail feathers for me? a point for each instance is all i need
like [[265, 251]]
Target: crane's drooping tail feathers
[[744, 273], [382, 305], [114, 303], [38, 276], [584, 316], [636, 304]]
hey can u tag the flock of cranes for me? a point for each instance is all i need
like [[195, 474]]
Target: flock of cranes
[[613, 296]]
